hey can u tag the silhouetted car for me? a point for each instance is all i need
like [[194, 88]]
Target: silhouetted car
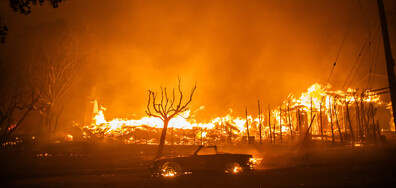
[[202, 161]]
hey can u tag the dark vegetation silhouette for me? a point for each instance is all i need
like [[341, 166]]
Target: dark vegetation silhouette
[[3, 32], [34, 87], [166, 107], [14, 111], [56, 66], [24, 7]]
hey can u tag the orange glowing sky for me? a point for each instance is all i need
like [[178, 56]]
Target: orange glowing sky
[[236, 51]]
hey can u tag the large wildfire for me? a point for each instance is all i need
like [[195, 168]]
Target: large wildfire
[[320, 113]]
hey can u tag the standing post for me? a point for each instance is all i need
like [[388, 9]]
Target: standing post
[[336, 115], [269, 122], [349, 122], [299, 122], [259, 111], [320, 118], [194, 135], [311, 111], [222, 130], [331, 121], [201, 136], [274, 131], [247, 126], [290, 123], [390, 64], [372, 114], [359, 131], [280, 123], [364, 122]]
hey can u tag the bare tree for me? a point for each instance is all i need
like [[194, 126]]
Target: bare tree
[[58, 67], [17, 99], [14, 111], [166, 108]]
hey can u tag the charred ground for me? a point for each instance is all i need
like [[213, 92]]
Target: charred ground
[[118, 165]]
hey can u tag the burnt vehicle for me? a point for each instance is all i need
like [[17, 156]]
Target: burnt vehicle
[[204, 159]]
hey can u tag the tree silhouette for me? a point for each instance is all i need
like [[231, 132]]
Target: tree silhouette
[[3, 32], [57, 64], [166, 108], [14, 111], [24, 7]]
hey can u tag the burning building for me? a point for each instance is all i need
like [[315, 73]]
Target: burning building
[[349, 116]]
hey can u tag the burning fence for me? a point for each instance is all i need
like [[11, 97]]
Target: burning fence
[[320, 113], [344, 116]]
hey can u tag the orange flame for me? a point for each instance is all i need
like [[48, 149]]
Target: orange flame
[[318, 98]]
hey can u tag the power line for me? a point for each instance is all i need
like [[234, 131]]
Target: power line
[[342, 44], [369, 36], [360, 64], [364, 53], [375, 60], [364, 16], [353, 67], [379, 89], [383, 92], [357, 59]]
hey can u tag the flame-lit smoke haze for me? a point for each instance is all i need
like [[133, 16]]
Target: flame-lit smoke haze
[[236, 51]]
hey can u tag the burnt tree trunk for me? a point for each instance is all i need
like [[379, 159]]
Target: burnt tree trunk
[[162, 139], [172, 136], [165, 109]]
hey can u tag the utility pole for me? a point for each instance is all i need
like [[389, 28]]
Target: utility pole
[[388, 56], [247, 126]]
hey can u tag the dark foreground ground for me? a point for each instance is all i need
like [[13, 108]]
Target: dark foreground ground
[[112, 165]]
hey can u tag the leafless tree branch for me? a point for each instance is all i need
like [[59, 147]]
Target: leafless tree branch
[[165, 112]]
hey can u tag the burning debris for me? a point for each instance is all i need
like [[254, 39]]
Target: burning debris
[[319, 114]]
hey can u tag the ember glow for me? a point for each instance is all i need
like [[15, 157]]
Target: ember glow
[[325, 108]]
